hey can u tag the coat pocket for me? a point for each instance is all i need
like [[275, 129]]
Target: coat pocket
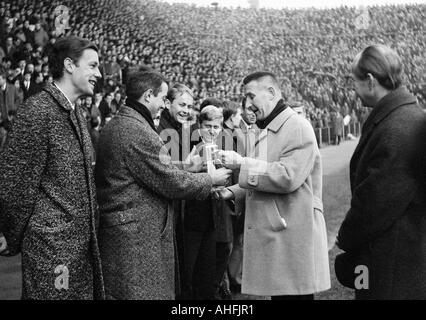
[[317, 204], [125, 221], [277, 222], [168, 227]]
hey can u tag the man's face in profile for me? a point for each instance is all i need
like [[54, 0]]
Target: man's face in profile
[[157, 102], [248, 115], [257, 98], [86, 72]]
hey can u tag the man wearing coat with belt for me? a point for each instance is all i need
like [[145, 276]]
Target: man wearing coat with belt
[[285, 238], [47, 189], [136, 183]]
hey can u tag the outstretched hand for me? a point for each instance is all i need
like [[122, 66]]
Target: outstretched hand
[[193, 163], [230, 159], [223, 194], [220, 176], [3, 245]]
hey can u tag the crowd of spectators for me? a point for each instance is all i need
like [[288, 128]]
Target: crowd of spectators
[[212, 49]]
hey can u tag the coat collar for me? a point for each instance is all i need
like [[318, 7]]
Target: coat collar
[[58, 96], [167, 121], [386, 105], [129, 112], [389, 103], [244, 126], [280, 119]]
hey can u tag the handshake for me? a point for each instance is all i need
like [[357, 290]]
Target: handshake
[[223, 163], [3, 246]]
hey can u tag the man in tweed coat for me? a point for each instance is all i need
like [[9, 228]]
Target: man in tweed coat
[[47, 190], [136, 184]]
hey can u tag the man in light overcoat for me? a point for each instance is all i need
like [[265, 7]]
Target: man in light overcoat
[[285, 238]]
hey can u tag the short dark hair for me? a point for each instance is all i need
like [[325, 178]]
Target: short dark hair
[[139, 81], [145, 68], [382, 63], [67, 47], [258, 75], [211, 101]]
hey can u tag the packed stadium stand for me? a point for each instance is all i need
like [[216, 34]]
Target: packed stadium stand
[[212, 48]]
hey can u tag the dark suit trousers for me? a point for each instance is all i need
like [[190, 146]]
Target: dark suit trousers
[[200, 265], [223, 253]]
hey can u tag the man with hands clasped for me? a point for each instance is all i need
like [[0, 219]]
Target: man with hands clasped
[[285, 238]]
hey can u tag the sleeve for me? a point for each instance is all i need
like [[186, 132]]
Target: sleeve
[[16, 99], [151, 167], [387, 189], [239, 197], [21, 166], [290, 171]]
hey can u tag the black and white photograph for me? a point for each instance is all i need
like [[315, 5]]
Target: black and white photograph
[[218, 155]]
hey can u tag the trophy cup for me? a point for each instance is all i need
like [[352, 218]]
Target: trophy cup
[[209, 156]]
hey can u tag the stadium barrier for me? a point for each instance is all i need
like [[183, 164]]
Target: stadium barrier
[[326, 136]]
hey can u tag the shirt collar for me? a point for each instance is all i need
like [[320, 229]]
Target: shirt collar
[[72, 105], [248, 126]]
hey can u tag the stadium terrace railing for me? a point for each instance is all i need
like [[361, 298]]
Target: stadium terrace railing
[[326, 136]]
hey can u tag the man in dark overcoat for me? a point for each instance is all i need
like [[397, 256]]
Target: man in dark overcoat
[[47, 189], [9, 101], [385, 228]]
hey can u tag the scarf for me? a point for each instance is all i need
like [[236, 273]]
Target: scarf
[[143, 110], [280, 107]]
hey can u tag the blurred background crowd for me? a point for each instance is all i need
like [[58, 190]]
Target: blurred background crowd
[[210, 49]]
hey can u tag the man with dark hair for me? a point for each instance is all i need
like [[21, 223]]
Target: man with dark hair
[[249, 118], [248, 133], [261, 74], [47, 190], [136, 184], [116, 102], [9, 100], [105, 109], [285, 239], [29, 86]]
